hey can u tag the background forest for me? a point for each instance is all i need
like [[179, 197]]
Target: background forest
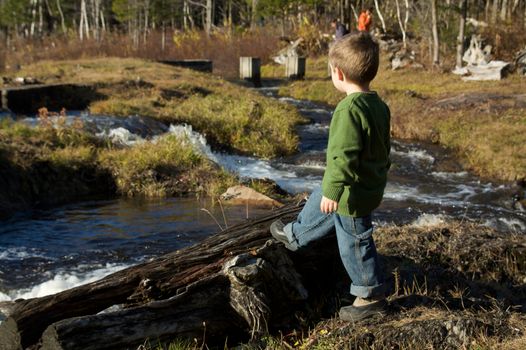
[[222, 30]]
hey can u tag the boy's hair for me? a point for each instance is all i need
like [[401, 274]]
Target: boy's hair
[[358, 57]]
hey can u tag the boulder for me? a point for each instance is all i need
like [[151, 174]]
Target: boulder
[[246, 195]]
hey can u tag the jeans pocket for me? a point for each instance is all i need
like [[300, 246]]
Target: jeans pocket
[[364, 234]]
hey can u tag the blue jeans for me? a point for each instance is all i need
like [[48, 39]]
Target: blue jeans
[[355, 243]]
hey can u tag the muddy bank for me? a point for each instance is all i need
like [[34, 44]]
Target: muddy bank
[[43, 184]]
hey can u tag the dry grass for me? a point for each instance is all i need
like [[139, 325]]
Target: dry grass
[[223, 47], [458, 287], [489, 135]]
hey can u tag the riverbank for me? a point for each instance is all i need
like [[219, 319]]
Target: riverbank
[[484, 123], [56, 162], [46, 166], [233, 118], [451, 286]]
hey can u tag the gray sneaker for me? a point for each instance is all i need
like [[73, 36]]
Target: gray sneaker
[[353, 313], [276, 229]]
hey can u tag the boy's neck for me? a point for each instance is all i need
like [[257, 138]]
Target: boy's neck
[[350, 87]]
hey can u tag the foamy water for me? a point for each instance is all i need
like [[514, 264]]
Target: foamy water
[[430, 220], [62, 281]]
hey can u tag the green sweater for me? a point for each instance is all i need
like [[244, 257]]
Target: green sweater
[[358, 154]]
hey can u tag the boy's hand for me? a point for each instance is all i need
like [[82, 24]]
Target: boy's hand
[[327, 205]]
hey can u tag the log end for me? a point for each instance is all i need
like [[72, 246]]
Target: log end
[[50, 339], [9, 335]]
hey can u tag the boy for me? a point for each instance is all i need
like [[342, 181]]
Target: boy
[[355, 176]]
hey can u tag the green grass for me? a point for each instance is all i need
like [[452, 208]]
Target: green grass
[[489, 138], [232, 117], [167, 167]]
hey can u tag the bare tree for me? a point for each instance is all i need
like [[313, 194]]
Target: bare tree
[[377, 7], [62, 21], [209, 9], [436, 42], [83, 23], [34, 4], [403, 25], [504, 10], [461, 29], [254, 13], [494, 10]]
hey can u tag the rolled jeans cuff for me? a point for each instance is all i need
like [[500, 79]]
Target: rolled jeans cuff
[[368, 291], [293, 241]]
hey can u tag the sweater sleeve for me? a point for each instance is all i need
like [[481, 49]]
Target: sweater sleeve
[[343, 153]]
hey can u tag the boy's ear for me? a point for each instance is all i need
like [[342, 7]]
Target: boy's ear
[[341, 77]]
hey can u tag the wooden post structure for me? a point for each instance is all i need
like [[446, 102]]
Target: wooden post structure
[[295, 67], [250, 69]]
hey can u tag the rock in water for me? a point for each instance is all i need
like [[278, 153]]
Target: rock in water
[[242, 195]]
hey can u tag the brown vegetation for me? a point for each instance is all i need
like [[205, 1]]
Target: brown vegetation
[[483, 122], [223, 47]]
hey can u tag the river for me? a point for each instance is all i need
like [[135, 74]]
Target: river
[[47, 251]]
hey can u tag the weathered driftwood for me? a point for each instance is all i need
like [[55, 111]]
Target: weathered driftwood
[[495, 70], [233, 284], [477, 53], [480, 66]]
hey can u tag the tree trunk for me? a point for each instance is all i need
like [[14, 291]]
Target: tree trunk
[[208, 22], [402, 24], [40, 19], [461, 29], [436, 42], [494, 11], [95, 10], [237, 284], [62, 21], [163, 37], [33, 17], [504, 10], [253, 18], [146, 20], [186, 14], [3, 39], [355, 13], [83, 24], [377, 6], [102, 21]]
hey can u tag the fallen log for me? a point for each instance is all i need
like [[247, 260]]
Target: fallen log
[[233, 284]]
